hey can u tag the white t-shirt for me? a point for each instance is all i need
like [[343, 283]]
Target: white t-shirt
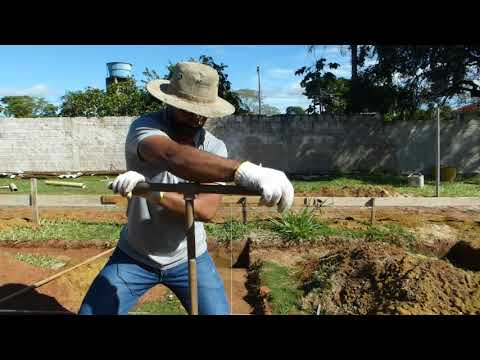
[[154, 236]]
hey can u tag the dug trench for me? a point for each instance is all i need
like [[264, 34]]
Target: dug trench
[[65, 293], [439, 275]]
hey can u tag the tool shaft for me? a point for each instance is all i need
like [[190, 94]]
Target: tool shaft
[[189, 190], [192, 188], [191, 253]]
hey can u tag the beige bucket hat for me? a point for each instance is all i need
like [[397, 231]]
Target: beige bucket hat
[[193, 88]]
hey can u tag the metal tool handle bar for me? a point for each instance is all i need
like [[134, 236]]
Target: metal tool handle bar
[[192, 188]]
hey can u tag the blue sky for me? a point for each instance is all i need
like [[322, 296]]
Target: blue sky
[[52, 70]]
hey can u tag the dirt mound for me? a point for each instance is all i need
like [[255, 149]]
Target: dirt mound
[[356, 191], [377, 278]]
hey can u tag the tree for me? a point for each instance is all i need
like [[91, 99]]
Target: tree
[[269, 110], [44, 109], [324, 89], [150, 75], [427, 74], [294, 110], [249, 100], [249, 103], [27, 106], [122, 99]]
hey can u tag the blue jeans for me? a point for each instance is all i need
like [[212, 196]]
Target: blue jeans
[[122, 282]]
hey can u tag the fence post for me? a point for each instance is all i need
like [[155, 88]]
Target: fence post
[[33, 201], [372, 214]]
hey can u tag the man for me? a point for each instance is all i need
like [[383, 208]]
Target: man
[[171, 146]]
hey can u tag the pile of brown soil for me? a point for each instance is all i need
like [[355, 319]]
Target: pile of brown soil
[[378, 278]]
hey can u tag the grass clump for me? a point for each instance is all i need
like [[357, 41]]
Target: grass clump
[[169, 305], [298, 227], [230, 230], [304, 226], [43, 261], [391, 233], [284, 294], [320, 278], [64, 230]]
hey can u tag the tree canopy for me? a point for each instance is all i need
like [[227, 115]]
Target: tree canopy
[[294, 110], [125, 98], [26, 107], [401, 81], [325, 90]]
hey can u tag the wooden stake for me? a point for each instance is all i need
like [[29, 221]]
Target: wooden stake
[[372, 217], [243, 201], [191, 253], [33, 201]]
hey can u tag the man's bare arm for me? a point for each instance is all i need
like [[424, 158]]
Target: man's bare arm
[[186, 161], [206, 205]]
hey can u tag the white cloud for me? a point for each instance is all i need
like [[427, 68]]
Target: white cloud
[[291, 90], [280, 73], [40, 90], [289, 95]]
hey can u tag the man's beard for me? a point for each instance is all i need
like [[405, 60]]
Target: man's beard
[[185, 131]]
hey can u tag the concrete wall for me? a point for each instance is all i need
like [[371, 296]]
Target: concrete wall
[[302, 145]]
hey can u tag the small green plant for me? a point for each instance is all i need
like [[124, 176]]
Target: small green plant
[[298, 227], [44, 261], [319, 280]]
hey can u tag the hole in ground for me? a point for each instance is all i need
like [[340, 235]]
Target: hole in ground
[[465, 256]]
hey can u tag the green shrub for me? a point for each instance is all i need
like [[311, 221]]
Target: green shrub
[[299, 227]]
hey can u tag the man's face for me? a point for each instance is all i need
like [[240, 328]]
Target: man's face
[[187, 124]]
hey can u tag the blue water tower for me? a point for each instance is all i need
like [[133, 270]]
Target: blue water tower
[[118, 72]]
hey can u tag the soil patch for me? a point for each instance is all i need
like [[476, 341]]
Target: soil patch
[[377, 278], [67, 292]]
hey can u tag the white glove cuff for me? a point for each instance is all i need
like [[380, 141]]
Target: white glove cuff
[[241, 172]]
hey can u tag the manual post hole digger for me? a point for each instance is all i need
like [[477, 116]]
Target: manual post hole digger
[[189, 190]]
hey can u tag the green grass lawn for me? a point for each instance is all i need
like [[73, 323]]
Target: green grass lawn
[[462, 187], [64, 230], [97, 185]]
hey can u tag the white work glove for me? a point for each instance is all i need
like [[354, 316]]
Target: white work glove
[[126, 182], [274, 186]]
